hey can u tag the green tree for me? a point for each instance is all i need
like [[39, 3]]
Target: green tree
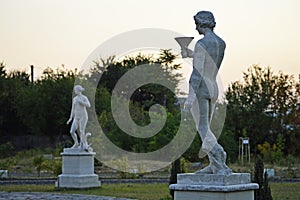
[[3, 94], [11, 84], [149, 94], [247, 103], [264, 105], [39, 108], [141, 100], [48, 100]]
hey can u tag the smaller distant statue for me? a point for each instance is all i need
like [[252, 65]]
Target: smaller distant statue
[[80, 117]]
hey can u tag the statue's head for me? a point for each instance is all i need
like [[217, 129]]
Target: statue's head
[[205, 19], [78, 89]]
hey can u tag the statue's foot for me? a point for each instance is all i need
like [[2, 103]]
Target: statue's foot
[[206, 170], [83, 145], [87, 147], [74, 146], [226, 171]]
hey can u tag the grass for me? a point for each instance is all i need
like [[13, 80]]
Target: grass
[[134, 191], [22, 162], [280, 191]]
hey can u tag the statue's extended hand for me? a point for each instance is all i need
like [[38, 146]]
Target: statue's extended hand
[[189, 53], [68, 122]]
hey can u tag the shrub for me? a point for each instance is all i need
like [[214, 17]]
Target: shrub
[[37, 162], [261, 178], [123, 167], [54, 166], [6, 150], [178, 166]]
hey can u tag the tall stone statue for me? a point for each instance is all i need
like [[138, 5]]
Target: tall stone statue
[[207, 57], [216, 181], [80, 117]]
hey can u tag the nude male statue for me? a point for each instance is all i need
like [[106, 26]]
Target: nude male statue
[[207, 58], [80, 117]]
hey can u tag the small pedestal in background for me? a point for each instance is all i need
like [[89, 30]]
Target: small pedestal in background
[[77, 170], [214, 187]]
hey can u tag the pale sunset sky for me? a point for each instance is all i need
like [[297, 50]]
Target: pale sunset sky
[[55, 32]]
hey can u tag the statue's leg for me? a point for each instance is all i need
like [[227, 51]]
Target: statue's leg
[[217, 165], [212, 106], [73, 133], [217, 158], [210, 145], [82, 125], [205, 133], [208, 138]]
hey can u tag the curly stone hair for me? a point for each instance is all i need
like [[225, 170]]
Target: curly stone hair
[[78, 88], [205, 19]]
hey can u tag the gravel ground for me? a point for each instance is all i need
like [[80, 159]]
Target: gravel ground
[[51, 196]]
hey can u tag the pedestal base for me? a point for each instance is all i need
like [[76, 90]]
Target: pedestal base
[[77, 170], [213, 187], [78, 181]]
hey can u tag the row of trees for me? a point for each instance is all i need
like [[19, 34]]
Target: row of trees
[[140, 101], [31, 111], [263, 106], [39, 110]]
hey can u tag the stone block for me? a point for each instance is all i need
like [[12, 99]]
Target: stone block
[[213, 179], [192, 195], [214, 187], [78, 181], [77, 170]]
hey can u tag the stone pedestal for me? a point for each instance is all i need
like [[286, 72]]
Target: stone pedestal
[[77, 170], [214, 187]]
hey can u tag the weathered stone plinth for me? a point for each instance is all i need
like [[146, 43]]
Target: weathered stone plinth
[[77, 170], [214, 187]]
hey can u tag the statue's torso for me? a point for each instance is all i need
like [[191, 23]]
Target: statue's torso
[[79, 109], [213, 47]]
